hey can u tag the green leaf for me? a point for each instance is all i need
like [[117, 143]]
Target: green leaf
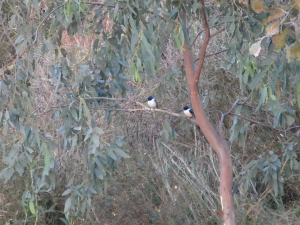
[[47, 160], [263, 95], [95, 140], [116, 10], [147, 46], [74, 141], [5, 128], [35, 4], [66, 192], [98, 173], [70, 182], [289, 120], [63, 52], [67, 205], [86, 112], [37, 137], [176, 36], [98, 130], [12, 21], [110, 153], [132, 24], [21, 47], [275, 185], [88, 134], [134, 39], [132, 69], [83, 206], [255, 81], [29, 158], [121, 153], [131, 9], [7, 173], [298, 94], [31, 207], [19, 38]]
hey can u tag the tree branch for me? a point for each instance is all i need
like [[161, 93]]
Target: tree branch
[[217, 32], [225, 114], [144, 108], [204, 45], [197, 37], [218, 143], [211, 54], [147, 109], [264, 125]]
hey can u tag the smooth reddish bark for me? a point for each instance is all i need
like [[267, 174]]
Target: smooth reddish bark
[[218, 143]]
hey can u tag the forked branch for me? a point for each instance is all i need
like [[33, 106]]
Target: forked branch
[[218, 143]]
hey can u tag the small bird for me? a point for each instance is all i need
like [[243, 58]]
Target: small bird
[[152, 102], [188, 111]]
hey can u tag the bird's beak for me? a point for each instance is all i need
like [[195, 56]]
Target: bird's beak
[[145, 101]]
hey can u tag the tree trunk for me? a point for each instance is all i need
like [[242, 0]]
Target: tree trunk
[[218, 143]]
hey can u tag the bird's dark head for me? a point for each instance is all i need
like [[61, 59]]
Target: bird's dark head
[[150, 98], [186, 108]]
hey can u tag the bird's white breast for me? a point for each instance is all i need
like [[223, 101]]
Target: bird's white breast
[[188, 113], [152, 103]]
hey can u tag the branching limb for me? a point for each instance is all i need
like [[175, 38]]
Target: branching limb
[[264, 125], [211, 54], [217, 32], [204, 45], [197, 37], [218, 143], [143, 107], [147, 109], [223, 115]]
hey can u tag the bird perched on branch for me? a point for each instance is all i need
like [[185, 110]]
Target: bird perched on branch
[[152, 102], [188, 111]]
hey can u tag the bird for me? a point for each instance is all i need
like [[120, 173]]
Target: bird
[[188, 111], [152, 102]]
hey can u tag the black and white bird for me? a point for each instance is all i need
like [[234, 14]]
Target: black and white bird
[[152, 102], [188, 111]]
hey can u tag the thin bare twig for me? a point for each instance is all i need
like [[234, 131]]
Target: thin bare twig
[[232, 107], [197, 37], [254, 121], [217, 32], [224, 59], [204, 45], [115, 99], [225, 114], [211, 55], [292, 128]]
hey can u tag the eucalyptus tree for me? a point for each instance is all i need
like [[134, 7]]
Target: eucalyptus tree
[[129, 41]]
